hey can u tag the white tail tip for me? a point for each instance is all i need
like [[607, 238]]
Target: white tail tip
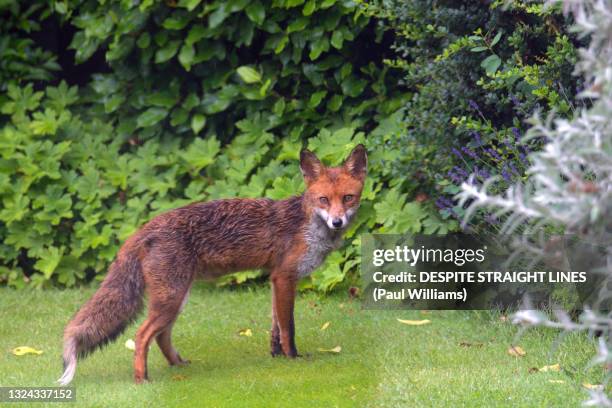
[[68, 373]]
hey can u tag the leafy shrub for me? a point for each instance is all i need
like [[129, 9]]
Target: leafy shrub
[[475, 75], [568, 189], [20, 58], [202, 101], [71, 193]]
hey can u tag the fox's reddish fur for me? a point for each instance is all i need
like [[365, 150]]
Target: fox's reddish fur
[[287, 238]]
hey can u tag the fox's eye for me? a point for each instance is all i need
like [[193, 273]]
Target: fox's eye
[[347, 198], [324, 200]]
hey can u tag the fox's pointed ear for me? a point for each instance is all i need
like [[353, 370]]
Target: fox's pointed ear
[[310, 166], [357, 162]]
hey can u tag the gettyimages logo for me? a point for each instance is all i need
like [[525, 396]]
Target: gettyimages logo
[[413, 256]]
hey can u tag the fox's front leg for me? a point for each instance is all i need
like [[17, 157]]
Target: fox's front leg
[[283, 327], [275, 345]]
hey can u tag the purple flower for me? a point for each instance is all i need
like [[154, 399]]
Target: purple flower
[[457, 153], [469, 152], [461, 171], [514, 100], [493, 153], [523, 158], [513, 168], [446, 201], [508, 144], [517, 134], [440, 204], [505, 174], [476, 137], [444, 204], [473, 104], [482, 173], [454, 177]]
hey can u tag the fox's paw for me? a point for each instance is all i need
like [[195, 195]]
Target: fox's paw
[[275, 347], [141, 379], [292, 354], [181, 362]]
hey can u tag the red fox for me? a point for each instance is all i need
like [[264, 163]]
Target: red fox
[[288, 238]]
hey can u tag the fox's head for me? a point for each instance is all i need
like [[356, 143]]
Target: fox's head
[[333, 193]]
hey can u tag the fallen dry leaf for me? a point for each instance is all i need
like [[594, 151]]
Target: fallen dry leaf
[[325, 326], [516, 351], [597, 387], [554, 367], [503, 318], [23, 350], [246, 332], [130, 345], [414, 322], [179, 377], [336, 349]]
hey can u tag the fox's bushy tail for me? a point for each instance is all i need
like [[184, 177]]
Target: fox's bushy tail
[[104, 317]]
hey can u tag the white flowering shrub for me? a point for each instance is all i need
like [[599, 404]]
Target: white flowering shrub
[[569, 188]]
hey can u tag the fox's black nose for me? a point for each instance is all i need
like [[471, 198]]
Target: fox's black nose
[[337, 223]]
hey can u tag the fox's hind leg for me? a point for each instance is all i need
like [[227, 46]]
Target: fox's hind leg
[[166, 295], [164, 341], [165, 344]]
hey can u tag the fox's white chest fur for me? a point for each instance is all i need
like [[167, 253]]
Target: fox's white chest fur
[[320, 241]]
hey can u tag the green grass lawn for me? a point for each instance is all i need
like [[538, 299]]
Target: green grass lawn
[[460, 359]]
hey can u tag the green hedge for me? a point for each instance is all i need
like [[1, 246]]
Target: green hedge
[[475, 72], [201, 100]]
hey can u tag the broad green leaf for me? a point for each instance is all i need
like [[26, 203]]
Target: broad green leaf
[[491, 63], [496, 39], [189, 4], [151, 117], [49, 261], [186, 56], [337, 39], [176, 23], [309, 7], [15, 208], [196, 33], [318, 46], [335, 103], [167, 51], [256, 12], [297, 25], [249, 75], [353, 86], [164, 99], [197, 122], [201, 153], [316, 98], [218, 16], [144, 40], [293, 3]]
